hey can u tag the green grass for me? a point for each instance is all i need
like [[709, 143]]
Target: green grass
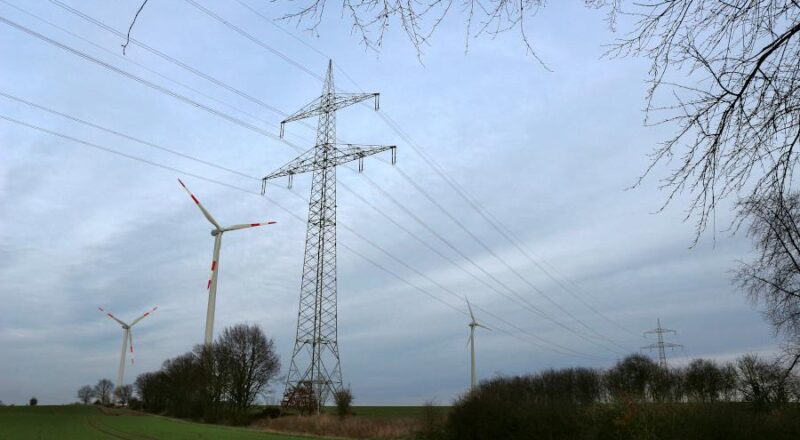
[[89, 423]]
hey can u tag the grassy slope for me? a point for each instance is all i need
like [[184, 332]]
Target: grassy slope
[[86, 422]]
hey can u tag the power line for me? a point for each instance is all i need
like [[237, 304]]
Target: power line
[[516, 298], [147, 83], [493, 221], [207, 163], [170, 59], [208, 109], [472, 235], [567, 351], [123, 135], [436, 168], [130, 60], [255, 40]]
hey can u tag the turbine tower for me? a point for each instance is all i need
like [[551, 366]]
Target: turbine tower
[[127, 336], [660, 344], [212, 278], [472, 324], [315, 371]]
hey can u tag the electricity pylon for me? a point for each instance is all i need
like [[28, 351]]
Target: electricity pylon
[[660, 344], [315, 371]]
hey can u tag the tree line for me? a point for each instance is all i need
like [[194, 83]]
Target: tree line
[[220, 381], [217, 382], [636, 398]]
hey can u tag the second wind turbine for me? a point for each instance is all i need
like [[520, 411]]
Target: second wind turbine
[[472, 324], [212, 279]]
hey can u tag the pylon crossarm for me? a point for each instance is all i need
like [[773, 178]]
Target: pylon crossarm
[[307, 111], [328, 104], [300, 164], [348, 152], [341, 153]]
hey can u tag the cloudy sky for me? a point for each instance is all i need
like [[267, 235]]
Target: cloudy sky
[[548, 154]]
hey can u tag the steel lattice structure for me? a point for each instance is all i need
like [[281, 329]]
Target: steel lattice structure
[[315, 371], [660, 345]]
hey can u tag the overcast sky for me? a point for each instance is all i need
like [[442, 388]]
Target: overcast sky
[[549, 154]]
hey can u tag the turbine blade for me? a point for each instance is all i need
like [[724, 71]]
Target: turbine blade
[[112, 316], [469, 339], [200, 205], [470, 309], [483, 326], [143, 316], [251, 225]]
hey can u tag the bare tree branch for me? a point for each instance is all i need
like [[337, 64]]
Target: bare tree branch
[[128, 39]]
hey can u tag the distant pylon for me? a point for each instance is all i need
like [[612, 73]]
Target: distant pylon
[[315, 371], [660, 344]]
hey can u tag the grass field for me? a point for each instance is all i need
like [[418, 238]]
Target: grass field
[[89, 423]]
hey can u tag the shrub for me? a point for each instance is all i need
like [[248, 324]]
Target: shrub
[[33, 402], [433, 422], [344, 400]]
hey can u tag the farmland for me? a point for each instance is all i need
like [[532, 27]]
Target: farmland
[[89, 423]]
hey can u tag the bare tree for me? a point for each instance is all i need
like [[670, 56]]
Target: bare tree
[[631, 377], [727, 74], [344, 402], [250, 363], [773, 278], [85, 394], [214, 379], [704, 380], [123, 394], [371, 19], [103, 391], [762, 383]]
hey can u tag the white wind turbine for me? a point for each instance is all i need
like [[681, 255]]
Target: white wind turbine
[[127, 336], [472, 324], [212, 279]]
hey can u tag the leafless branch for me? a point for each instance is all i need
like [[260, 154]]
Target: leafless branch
[[128, 38]]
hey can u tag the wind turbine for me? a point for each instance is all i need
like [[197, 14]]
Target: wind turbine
[[127, 336], [472, 324], [212, 279]]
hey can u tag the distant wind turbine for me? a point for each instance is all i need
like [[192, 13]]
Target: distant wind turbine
[[127, 336], [472, 324], [212, 279]]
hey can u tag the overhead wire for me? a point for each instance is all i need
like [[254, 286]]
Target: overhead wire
[[207, 163], [171, 93], [493, 221], [406, 177], [558, 348]]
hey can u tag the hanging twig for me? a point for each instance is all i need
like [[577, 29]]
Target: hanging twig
[[128, 40]]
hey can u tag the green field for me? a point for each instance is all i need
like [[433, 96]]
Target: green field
[[89, 423]]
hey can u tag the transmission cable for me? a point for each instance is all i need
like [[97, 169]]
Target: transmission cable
[[180, 97], [567, 351], [509, 267]]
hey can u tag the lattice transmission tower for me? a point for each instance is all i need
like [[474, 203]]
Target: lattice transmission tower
[[660, 344], [315, 371]]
